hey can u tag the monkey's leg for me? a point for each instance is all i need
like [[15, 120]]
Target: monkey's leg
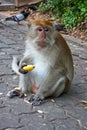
[[60, 86], [52, 85], [24, 82], [55, 91]]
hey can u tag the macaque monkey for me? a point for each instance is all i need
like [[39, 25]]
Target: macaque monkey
[[47, 50]]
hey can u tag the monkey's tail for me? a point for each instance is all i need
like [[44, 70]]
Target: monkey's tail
[[15, 65]]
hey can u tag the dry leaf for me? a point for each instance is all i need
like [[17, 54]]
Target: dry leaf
[[27, 101], [84, 102], [52, 100], [40, 112], [85, 108], [25, 94], [17, 89], [1, 94]]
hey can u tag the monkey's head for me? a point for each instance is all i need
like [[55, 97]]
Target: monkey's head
[[42, 32]]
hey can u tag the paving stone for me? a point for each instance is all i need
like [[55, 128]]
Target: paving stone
[[79, 114], [7, 121], [70, 124]]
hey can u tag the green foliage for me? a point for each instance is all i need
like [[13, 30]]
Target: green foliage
[[71, 12]]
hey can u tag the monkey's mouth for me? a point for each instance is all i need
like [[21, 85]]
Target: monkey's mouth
[[43, 43]]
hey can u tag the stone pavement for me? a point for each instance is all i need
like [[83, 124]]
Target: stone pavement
[[64, 113]]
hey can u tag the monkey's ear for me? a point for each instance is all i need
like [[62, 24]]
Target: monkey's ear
[[59, 27]]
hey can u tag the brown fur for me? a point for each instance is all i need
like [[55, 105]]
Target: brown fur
[[44, 23]]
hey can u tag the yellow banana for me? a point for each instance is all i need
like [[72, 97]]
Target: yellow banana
[[28, 67]]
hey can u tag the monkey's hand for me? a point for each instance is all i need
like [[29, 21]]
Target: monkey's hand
[[35, 100], [21, 70]]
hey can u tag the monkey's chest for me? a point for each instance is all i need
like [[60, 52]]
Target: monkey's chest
[[40, 71]]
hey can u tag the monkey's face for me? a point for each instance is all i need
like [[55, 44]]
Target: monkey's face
[[42, 36]]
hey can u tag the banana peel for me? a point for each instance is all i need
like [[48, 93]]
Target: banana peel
[[28, 67]]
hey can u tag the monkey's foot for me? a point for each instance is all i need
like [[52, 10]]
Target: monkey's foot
[[35, 100], [16, 92], [13, 93]]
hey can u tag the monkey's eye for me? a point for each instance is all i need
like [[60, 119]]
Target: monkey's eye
[[46, 29], [40, 29]]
